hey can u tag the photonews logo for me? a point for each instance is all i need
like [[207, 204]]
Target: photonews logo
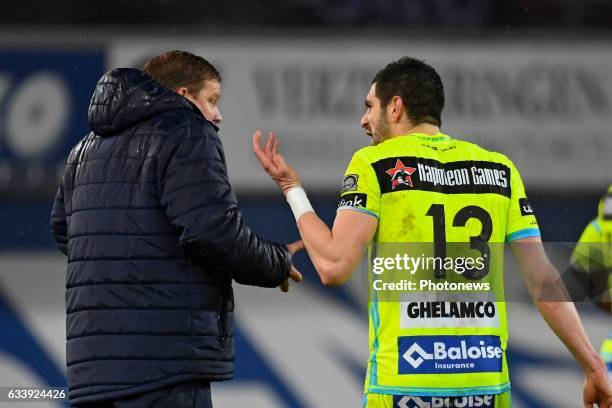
[[472, 401], [449, 354]]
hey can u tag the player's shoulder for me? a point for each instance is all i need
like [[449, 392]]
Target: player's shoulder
[[601, 226], [380, 151], [482, 153], [368, 154], [592, 232], [595, 226], [461, 148]]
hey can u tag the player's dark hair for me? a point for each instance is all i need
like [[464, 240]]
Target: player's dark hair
[[419, 86], [175, 69]]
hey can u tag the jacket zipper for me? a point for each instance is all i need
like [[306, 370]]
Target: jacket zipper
[[221, 317]]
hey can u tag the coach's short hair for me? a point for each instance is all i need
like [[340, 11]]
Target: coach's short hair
[[175, 69], [419, 86]]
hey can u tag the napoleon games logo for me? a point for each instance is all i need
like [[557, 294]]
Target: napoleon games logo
[[449, 354], [400, 174]]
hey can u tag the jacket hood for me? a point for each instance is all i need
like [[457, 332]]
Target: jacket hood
[[125, 97]]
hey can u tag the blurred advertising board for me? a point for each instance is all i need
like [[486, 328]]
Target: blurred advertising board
[[547, 106], [44, 96]]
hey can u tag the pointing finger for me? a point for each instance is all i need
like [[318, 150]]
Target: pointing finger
[[295, 246], [295, 275]]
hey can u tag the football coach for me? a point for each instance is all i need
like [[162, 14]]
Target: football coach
[[154, 239]]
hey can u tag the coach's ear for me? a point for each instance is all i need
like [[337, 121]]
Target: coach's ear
[[182, 91], [396, 108]]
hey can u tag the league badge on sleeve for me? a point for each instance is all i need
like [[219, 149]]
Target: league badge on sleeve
[[355, 200], [526, 208], [349, 183]]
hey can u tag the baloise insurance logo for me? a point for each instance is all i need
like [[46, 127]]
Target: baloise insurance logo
[[472, 401], [449, 354]]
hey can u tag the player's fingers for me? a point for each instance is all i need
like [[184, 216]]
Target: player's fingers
[[295, 246], [256, 140], [295, 275], [268, 146], [266, 163], [280, 161], [275, 145], [285, 286]]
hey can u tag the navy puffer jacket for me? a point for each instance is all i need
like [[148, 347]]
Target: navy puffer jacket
[[154, 238]]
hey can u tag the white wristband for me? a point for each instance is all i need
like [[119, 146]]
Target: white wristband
[[296, 197]]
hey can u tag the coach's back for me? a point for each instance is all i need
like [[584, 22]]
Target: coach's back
[[154, 237]]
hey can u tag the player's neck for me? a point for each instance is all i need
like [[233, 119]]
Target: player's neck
[[407, 128]]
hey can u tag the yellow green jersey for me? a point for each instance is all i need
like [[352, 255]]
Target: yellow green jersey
[[437, 190], [593, 252], [606, 354], [593, 255]]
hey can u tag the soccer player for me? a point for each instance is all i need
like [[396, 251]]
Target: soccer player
[[592, 264], [592, 257], [416, 184]]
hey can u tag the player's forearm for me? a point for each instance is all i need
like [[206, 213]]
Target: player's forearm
[[324, 252], [556, 307], [564, 321], [552, 300]]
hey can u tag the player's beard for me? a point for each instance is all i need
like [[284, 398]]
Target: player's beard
[[381, 132]]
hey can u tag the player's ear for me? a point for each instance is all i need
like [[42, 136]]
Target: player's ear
[[397, 110]]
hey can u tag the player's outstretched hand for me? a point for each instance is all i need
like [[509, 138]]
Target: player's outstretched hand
[[294, 274], [274, 163], [597, 390]]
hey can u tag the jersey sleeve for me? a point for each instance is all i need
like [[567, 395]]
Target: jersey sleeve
[[360, 189], [521, 222]]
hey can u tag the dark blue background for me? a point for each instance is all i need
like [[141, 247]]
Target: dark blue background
[[561, 218], [80, 69]]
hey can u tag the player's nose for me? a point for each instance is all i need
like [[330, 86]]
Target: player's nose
[[364, 122]]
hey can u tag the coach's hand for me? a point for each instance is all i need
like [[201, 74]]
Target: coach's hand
[[294, 274], [273, 162]]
